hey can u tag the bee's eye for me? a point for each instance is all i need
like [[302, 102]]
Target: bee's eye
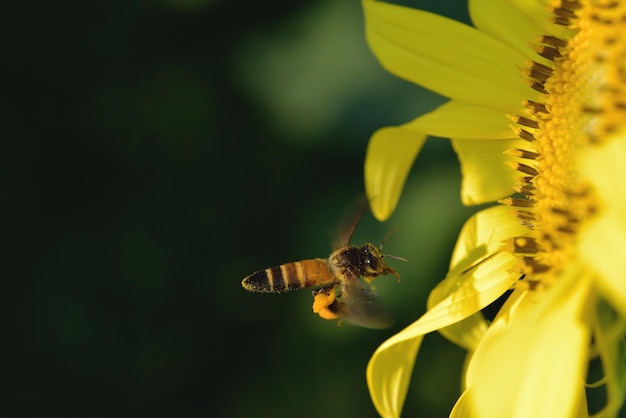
[[371, 261]]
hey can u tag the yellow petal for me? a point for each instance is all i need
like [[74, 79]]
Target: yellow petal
[[462, 120], [603, 243], [389, 370], [486, 176], [390, 155], [459, 296], [539, 11], [463, 407], [388, 376], [482, 235], [466, 333], [497, 17], [535, 365], [445, 56]]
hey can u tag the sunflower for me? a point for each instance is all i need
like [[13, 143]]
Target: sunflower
[[537, 117]]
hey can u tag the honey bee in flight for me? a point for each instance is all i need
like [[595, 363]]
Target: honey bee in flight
[[339, 293]]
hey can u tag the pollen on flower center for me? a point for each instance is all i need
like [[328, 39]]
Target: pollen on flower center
[[583, 82]]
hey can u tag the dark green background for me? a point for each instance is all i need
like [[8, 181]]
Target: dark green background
[[156, 152]]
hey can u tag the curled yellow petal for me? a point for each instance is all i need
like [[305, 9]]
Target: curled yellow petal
[[459, 296], [483, 234], [390, 155], [466, 333]]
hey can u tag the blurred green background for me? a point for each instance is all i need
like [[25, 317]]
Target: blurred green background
[[157, 152]]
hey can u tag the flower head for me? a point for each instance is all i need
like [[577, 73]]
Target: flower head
[[537, 116]]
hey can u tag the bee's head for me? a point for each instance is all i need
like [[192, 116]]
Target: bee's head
[[373, 263]]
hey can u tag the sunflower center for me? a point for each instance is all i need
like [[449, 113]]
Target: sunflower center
[[583, 79]]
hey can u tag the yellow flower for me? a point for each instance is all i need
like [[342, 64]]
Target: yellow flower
[[537, 116]]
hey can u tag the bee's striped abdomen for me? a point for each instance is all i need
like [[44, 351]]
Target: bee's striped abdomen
[[290, 276]]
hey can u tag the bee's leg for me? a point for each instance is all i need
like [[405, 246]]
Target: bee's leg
[[326, 305], [337, 309], [322, 298]]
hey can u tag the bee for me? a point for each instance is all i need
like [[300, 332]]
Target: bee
[[338, 291]]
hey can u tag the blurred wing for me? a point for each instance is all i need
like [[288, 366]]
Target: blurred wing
[[346, 229], [362, 306]]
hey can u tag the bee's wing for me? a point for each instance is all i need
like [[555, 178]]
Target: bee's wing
[[362, 306], [346, 229]]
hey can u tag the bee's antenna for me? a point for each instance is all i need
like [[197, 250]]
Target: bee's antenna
[[395, 257], [390, 233]]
